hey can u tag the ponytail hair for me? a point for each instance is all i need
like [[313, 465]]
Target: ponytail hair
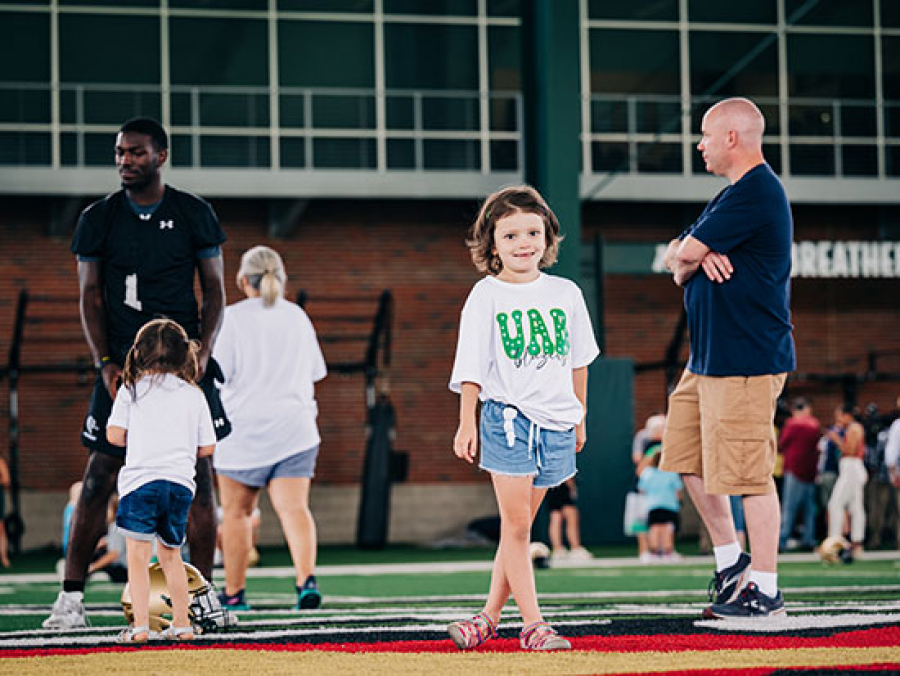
[[264, 271], [161, 347]]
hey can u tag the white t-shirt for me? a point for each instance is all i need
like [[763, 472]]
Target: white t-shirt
[[270, 358], [167, 420], [520, 342]]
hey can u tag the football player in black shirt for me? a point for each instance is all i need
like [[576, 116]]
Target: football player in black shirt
[[138, 250]]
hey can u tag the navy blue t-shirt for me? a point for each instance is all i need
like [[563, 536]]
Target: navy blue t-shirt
[[742, 327]]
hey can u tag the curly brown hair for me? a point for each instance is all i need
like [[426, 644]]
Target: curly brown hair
[[161, 346], [499, 205]]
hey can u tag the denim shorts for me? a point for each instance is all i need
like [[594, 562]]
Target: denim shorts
[[298, 466], [514, 446], [159, 510]]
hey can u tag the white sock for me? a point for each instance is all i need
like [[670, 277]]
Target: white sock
[[76, 595], [726, 555], [767, 582]]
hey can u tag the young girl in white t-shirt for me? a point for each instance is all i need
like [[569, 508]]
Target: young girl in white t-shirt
[[525, 342], [162, 419]]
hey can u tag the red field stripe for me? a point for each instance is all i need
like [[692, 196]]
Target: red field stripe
[[865, 638]]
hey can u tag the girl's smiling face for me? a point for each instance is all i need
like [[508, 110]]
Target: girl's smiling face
[[520, 242]]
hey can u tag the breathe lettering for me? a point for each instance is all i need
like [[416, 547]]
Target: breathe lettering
[[512, 334]]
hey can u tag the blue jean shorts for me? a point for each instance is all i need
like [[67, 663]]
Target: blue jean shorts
[[514, 446], [158, 510], [298, 466]]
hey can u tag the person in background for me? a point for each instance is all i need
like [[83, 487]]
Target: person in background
[[271, 361], [111, 559], [799, 441], [562, 505], [849, 489], [663, 491]]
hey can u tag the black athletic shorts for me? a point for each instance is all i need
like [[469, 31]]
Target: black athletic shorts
[[663, 516], [558, 497], [93, 433]]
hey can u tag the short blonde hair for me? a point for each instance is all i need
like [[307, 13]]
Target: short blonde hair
[[520, 198], [264, 271]]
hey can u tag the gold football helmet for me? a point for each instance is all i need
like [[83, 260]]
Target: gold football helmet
[[835, 550], [204, 609]]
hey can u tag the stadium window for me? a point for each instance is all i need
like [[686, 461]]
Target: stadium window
[[609, 157], [893, 160], [24, 148], [659, 158], [91, 49], [109, 107], [892, 120], [450, 113], [718, 55], [511, 8], [505, 75], [109, 3], [812, 160], [432, 7], [634, 62], [326, 54], [198, 56], [859, 160], [361, 6], [443, 154], [829, 12], [182, 150], [504, 156], [293, 153], [890, 14], [635, 10], [890, 73], [215, 4], [427, 56], [343, 111], [25, 48], [831, 66], [343, 153], [234, 151], [401, 153], [736, 11]]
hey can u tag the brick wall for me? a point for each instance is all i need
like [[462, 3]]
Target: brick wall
[[414, 248]]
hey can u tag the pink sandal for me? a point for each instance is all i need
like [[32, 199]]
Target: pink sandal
[[541, 636], [468, 634]]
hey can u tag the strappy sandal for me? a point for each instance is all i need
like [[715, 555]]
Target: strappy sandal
[[173, 633], [541, 636], [468, 634], [131, 634]]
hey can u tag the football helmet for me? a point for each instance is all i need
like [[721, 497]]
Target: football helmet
[[204, 609], [835, 550]]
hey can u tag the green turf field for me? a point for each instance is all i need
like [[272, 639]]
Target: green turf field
[[403, 586]]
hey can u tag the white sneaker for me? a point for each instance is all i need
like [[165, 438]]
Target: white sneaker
[[67, 612], [648, 557], [580, 554]]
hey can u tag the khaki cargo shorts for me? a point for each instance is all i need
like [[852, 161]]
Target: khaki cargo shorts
[[722, 429]]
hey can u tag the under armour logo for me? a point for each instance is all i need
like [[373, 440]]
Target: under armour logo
[[167, 224], [144, 217], [219, 422]]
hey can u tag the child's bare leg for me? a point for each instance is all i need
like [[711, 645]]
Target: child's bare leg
[[573, 527], [668, 537], [176, 581], [518, 501], [138, 554], [654, 538], [554, 530]]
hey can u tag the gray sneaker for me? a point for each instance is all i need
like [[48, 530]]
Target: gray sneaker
[[67, 613]]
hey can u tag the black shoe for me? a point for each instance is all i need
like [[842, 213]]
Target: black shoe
[[727, 584], [751, 602]]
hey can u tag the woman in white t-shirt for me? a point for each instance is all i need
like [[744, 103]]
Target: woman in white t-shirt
[[525, 342], [162, 419], [270, 358]]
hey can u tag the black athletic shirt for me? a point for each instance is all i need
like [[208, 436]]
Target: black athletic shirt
[[147, 263]]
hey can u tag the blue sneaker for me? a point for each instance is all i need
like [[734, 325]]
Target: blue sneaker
[[308, 596], [727, 584], [751, 602], [233, 601]]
